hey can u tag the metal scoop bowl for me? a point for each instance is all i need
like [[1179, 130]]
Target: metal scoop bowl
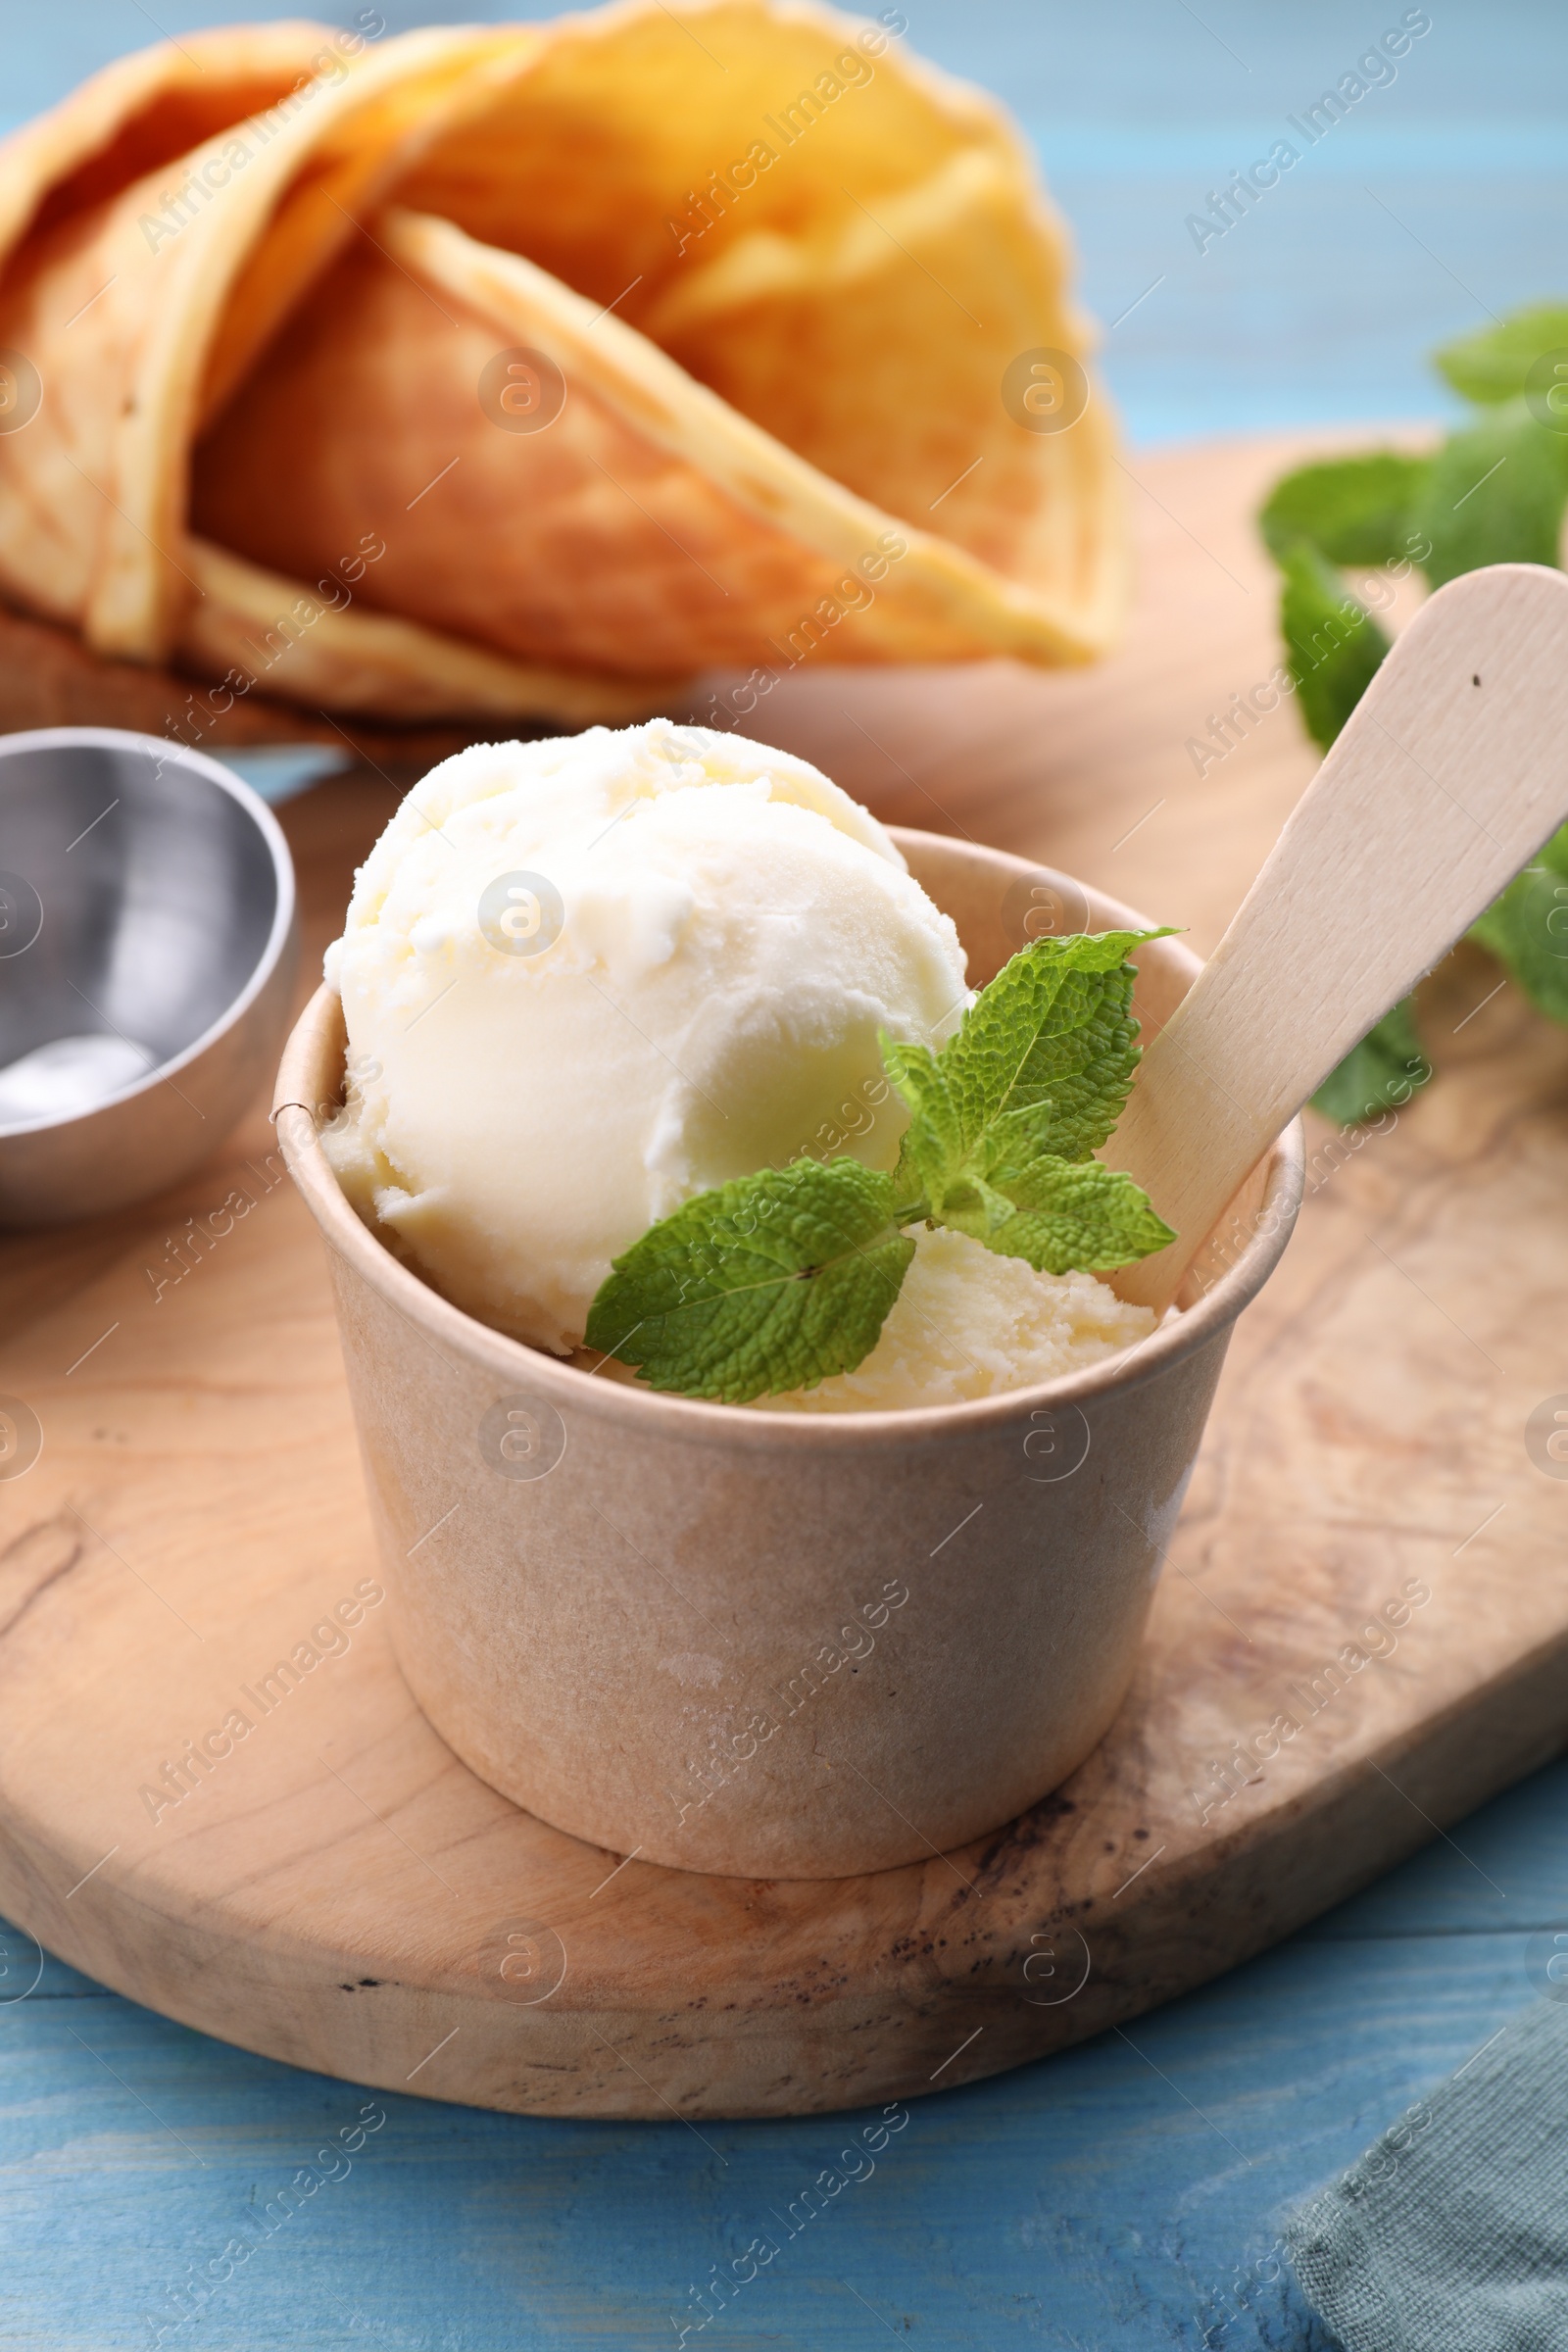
[[148, 945]]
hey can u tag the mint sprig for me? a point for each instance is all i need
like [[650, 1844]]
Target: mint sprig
[[777, 1280], [1033, 1083]]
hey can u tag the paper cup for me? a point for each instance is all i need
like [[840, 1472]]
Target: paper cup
[[761, 1643]]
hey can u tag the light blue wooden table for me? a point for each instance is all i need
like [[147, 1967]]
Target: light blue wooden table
[[1129, 2194]]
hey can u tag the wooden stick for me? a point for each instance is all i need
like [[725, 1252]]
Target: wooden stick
[[1452, 771]]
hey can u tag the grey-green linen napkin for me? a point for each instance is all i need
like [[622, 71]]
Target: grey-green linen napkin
[[1451, 2235]]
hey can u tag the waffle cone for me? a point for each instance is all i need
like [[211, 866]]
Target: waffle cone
[[531, 370]]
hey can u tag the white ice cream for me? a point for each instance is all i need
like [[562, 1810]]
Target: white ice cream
[[688, 945]]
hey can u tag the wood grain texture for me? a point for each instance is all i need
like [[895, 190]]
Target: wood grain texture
[[197, 1509]]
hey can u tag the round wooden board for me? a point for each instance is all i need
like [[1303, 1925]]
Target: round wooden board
[[339, 1892]]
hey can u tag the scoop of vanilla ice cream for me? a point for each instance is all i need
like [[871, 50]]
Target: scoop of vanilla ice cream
[[967, 1323], [587, 978]]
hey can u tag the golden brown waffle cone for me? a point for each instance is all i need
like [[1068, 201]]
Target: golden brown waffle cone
[[291, 269]]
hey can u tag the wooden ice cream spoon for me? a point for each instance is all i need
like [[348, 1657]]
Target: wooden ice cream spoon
[[1448, 776]]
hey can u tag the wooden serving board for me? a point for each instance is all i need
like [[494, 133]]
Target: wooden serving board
[[339, 1892]]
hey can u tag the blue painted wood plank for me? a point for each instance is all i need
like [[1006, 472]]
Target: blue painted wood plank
[[1112, 2194]]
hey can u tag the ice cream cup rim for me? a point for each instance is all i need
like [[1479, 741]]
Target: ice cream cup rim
[[651, 1412]]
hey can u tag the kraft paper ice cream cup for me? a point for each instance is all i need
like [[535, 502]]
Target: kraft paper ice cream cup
[[797, 1646]]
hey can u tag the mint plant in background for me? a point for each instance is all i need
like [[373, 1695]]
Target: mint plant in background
[[778, 1279], [1494, 492]]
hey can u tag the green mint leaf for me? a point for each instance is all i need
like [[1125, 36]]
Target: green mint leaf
[[1331, 642], [1030, 1087], [1494, 364], [768, 1283], [934, 1142], [1351, 509], [1527, 928], [1065, 1216], [1044, 1057], [1495, 495], [1379, 1074]]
